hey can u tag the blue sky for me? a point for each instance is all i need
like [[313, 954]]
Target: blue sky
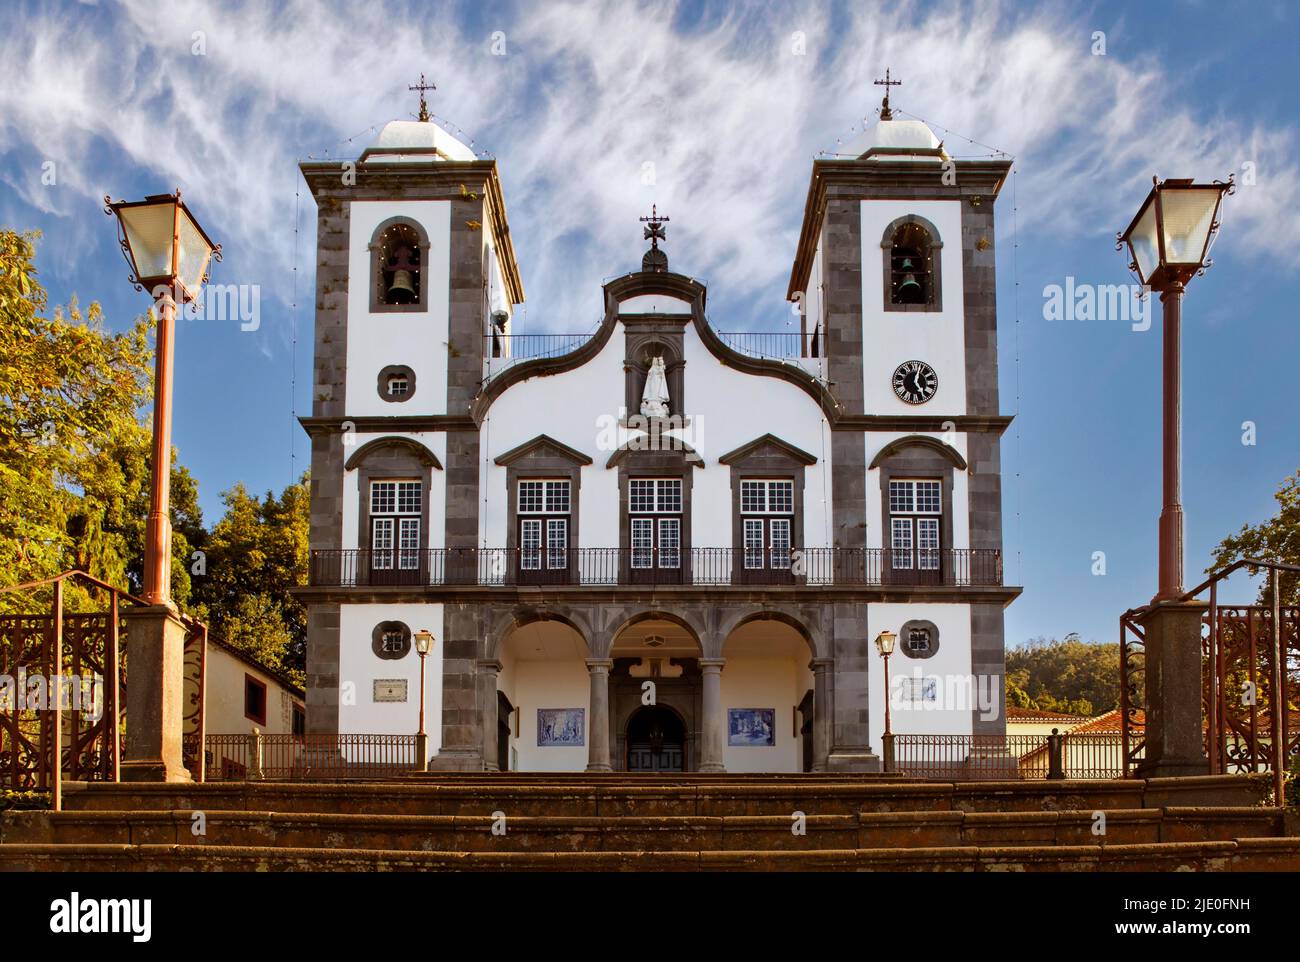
[[223, 100]]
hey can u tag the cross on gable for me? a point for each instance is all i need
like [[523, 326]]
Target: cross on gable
[[654, 231], [885, 112], [422, 87]]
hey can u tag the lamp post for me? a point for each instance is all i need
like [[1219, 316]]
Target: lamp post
[[885, 645], [423, 645], [1168, 243], [169, 254]]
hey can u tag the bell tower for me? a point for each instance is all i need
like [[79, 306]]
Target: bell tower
[[415, 271]]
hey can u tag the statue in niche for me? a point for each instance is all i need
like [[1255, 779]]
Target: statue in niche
[[654, 399]]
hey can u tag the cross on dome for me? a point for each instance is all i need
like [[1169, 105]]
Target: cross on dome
[[885, 112], [422, 87]]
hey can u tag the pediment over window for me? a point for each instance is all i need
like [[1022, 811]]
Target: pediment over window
[[666, 447], [767, 444], [407, 446], [545, 447], [919, 441]]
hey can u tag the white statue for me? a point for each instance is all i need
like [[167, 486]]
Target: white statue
[[654, 399]]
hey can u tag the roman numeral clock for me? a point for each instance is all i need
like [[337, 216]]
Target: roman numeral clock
[[915, 382]]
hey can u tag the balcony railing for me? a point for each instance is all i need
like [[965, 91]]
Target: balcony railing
[[777, 345], [502, 350], [624, 566]]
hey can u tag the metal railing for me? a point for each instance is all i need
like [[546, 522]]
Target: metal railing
[[778, 345], [257, 757], [1008, 757], [527, 347], [627, 566]]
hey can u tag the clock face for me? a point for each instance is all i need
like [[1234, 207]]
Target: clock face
[[915, 382]]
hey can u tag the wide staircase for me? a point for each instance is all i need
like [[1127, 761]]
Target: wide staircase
[[511, 821]]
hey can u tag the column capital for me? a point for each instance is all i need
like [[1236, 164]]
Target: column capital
[[821, 664], [599, 664], [711, 664], [490, 665]]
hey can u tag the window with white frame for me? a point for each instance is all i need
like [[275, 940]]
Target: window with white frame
[[767, 520], [654, 508], [915, 516], [395, 509], [543, 509]]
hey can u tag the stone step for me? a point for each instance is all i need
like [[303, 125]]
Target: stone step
[[1250, 855], [474, 833], [585, 798]]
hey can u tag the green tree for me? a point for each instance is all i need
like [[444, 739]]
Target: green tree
[[255, 553], [74, 456], [1068, 675], [1277, 539]]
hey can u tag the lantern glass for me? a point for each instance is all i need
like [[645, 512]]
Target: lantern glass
[[192, 254], [1188, 215], [423, 642], [1144, 241], [148, 229], [885, 642]]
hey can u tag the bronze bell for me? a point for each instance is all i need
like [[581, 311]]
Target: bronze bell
[[910, 290], [402, 289]]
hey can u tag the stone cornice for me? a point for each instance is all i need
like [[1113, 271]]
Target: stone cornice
[[376, 424], [881, 180], [965, 423]]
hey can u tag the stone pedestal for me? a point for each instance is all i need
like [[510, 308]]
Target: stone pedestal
[[488, 673], [713, 735], [155, 684], [1174, 735], [822, 711], [598, 715]]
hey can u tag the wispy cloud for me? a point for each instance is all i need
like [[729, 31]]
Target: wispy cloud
[[596, 110]]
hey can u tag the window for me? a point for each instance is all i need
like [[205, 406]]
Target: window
[[254, 700], [398, 266], [911, 266], [395, 508], [767, 519], [654, 507], [299, 720], [398, 385], [543, 511], [915, 513]]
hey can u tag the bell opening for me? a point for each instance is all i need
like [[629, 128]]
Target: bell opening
[[400, 265], [910, 265]]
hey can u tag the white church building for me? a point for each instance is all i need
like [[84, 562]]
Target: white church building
[[656, 547]]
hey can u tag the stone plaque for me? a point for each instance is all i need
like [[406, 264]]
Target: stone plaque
[[390, 689]]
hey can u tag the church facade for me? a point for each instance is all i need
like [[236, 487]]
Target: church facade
[[656, 547]]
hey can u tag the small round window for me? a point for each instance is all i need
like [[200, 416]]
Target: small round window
[[391, 640], [919, 639], [396, 383]]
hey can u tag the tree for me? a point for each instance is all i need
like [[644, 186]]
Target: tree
[[1277, 539], [254, 555], [74, 457], [1069, 675]]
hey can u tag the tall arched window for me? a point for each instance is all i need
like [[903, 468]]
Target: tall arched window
[[912, 280], [399, 260]]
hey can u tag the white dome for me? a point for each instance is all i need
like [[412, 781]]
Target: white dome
[[892, 136], [415, 140]]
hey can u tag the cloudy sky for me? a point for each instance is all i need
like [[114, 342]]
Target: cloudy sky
[[729, 103]]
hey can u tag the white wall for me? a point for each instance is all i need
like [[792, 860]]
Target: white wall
[[950, 665], [892, 337], [359, 667], [417, 339], [223, 697], [548, 684], [763, 683]]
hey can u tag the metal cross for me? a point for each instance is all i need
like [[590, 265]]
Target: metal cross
[[885, 112], [422, 87], [654, 231]]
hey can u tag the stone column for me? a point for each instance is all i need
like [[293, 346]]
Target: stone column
[[598, 715], [714, 729], [1174, 736], [823, 711], [155, 681], [488, 671]]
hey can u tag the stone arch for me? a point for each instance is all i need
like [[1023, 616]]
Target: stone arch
[[809, 632], [920, 441], [933, 254], [378, 304], [696, 631], [408, 446], [520, 617]]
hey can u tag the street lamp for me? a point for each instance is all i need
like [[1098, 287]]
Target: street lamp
[[1168, 243], [423, 645], [885, 645], [170, 254]]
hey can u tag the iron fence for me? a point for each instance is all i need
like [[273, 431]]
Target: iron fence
[[1009, 757], [258, 757]]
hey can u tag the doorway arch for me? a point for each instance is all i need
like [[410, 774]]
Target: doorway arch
[[656, 740]]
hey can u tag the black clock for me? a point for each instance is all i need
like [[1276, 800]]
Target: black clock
[[915, 382]]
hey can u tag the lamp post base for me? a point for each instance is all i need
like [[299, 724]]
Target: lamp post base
[[1175, 737], [155, 684]]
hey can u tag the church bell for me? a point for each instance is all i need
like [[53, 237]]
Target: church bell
[[910, 290], [402, 290]]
